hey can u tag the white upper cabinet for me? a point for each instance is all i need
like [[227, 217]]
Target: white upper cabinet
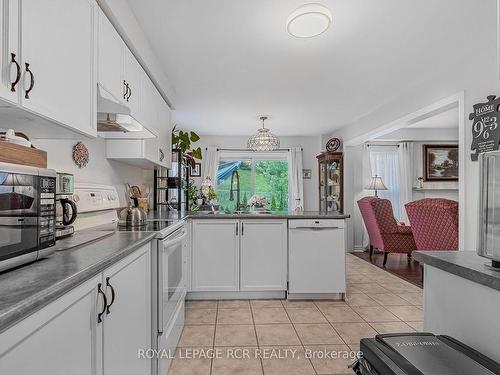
[[10, 59], [133, 73], [58, 61], [155, 115], [165, 135], [110, 59], [53, 56]]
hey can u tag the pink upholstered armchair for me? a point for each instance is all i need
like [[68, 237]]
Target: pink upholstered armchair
[[434, 223], [384, 231]]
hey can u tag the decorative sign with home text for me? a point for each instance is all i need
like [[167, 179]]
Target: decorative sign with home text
[[485, 129]]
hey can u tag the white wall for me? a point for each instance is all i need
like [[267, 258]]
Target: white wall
[[354, 190], [99, 169], [311, 147]]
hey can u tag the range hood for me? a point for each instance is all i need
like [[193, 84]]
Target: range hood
[[114, 119]]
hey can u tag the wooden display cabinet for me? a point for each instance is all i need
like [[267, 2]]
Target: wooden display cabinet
[[331, 181]]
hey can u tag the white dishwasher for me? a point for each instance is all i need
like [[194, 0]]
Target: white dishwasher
[[316, 259]]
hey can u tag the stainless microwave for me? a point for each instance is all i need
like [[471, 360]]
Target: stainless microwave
[[27, 214]]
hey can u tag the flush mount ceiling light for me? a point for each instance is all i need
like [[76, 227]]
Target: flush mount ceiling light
[[309, 20], [264, 140]]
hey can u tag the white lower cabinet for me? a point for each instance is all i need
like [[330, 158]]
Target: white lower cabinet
[[238, 255], [215, 258], [62, 338], [127, 322], [76, 335], [263, 251]]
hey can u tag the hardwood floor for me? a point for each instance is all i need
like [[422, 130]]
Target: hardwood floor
[[397, 264]]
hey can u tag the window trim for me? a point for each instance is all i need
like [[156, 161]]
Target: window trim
[[249, 155]]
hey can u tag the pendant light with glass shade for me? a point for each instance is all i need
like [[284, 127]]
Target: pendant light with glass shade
[[264, 140]]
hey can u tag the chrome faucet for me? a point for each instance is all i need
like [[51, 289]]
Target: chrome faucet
[[231, 192]]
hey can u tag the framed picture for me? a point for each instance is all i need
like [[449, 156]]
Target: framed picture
[[306, 174], [196, 171], [440, 162]]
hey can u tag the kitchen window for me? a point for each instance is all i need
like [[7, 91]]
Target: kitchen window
[[263, 174]]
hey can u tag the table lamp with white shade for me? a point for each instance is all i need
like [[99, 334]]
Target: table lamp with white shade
[[376, 184]]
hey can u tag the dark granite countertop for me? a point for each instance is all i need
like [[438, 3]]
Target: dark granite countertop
[[466, 264], [171, 215], [26, 289]]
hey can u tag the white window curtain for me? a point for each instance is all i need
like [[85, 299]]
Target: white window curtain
[[384, 163], [367, 175], [296, 182], [210, 164], [405, 155]]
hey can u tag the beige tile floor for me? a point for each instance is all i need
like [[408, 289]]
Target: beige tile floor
[[377, 302]]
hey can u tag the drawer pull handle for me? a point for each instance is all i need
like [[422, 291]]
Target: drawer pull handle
[[105, 303], [18, 72], [113, 295]]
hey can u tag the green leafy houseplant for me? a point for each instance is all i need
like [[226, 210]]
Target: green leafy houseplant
[[183, 140], [193, 195]]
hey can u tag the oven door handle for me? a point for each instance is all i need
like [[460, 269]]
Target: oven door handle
[[169, 242], [167, 246]]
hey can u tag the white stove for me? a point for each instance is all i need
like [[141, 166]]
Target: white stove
[[96, 204], [98, 207]]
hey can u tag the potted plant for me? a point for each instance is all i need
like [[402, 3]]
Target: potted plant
[[183, 141], [193, 196], [258, 203]]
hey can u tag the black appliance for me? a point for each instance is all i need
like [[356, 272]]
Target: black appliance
[[66, 210], [27, 214], [421, 354]]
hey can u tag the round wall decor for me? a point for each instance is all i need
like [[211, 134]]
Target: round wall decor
[[80, 155], [333, 144]]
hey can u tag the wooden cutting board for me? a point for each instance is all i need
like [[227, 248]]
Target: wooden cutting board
[[17, 154]]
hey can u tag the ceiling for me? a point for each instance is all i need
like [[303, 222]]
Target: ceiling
[[232, 60]]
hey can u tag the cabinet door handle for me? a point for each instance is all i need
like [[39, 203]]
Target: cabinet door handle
[[18, 72], [32, 81], [125, 89], [105, 303], [113, 295], [237, 228], [242, 230], [129, 92]]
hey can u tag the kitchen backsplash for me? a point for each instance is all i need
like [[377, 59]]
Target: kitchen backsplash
[[99, 170]]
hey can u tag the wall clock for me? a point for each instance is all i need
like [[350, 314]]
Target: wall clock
[[333, 144]]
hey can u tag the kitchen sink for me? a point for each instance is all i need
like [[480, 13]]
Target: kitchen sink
[[237, 213]]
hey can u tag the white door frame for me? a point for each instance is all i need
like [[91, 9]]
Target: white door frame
[[454, 101]]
